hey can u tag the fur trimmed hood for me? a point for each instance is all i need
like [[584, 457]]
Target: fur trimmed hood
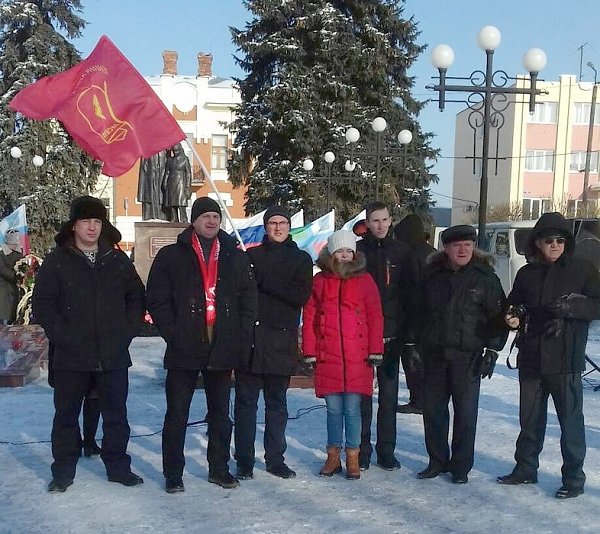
[[344, 270]]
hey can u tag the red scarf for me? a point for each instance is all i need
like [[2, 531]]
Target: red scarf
[[209, 276]]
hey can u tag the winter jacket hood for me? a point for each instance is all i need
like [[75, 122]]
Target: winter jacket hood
[[410, 230], [342, 269], [550, 221]]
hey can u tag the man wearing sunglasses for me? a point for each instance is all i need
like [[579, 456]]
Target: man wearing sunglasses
[[553, 300]]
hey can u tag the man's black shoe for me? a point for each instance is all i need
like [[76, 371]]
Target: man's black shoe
[[245, 473], [513, 479], [58, 485], [411, 407], [174, 485], [431, 472], [565, 492], [282, 471], [389, 464], [364, 462], [127, 479], [225, 480], [459, 479], [91, 449]]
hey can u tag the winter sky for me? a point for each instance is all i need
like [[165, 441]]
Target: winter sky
[[142, 30]]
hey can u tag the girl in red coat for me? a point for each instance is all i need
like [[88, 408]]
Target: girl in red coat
[[342, 336]]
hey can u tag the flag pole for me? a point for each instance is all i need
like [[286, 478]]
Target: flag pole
[[214, 188]]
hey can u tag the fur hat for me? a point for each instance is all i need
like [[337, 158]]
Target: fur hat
[[87, 207], [276, 210], [341, 239], [460, 232], [204, 205]]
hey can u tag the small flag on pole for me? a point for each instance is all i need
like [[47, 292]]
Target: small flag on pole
[[106, 106], [313, 237]]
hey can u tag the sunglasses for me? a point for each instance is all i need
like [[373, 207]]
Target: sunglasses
[[559, 240]]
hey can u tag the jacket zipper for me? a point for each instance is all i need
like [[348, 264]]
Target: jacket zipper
[[342, 334]]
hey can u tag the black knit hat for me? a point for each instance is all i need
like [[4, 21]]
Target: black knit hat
[[460, 232], [276, 210], [204, 205], [87, 207]]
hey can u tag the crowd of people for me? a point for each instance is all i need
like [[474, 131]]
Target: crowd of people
[[385, 299]]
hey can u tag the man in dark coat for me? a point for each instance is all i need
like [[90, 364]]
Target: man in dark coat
[[394, 269], [90, 302], [552, 302], [10, 254], [461, 331], [202, 297], [411, 232], [284, 277]]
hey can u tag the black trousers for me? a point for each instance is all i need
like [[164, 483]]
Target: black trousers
[[180, 388], [247, 389], [91, 414], [414, 382], [567, 393], [445, 380], [387, 380], [70, 387]]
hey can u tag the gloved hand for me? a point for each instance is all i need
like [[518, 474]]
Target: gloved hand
[[375, 360], [488, 363], [311, 361], [554, 327], [560, 308], [412, 358]]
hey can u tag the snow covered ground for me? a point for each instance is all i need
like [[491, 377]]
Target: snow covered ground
[[380, 502]]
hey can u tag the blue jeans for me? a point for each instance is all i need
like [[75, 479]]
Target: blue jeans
[[343, 408]]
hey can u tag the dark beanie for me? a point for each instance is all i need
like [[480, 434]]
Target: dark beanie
[[87, 207], [460, 232], [276, 210], [204, 205]]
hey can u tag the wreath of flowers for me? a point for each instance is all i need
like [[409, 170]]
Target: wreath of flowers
[[26, 269]]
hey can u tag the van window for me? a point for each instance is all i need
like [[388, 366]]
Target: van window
[[502, 246], [521, 237]]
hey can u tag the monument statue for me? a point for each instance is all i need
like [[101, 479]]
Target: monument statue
[[176, 184], [150, 194]]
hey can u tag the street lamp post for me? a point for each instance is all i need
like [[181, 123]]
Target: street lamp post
[[492, 86], [16, 154], [329, 158], [379, 124], [588, 154]]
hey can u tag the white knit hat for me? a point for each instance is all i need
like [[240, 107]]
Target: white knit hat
[[341, 239]]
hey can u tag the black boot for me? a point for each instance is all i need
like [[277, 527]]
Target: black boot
[[516, 478], [58, 485], [225, 480], [431, 472], [282, 471], [174, 485], [127, 479], [568, 493]]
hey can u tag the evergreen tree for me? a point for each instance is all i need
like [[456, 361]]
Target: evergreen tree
[[315, 68], [33, 44]]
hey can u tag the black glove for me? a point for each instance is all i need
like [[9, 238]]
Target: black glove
[[555, 327], [488, 363], [311, 361], [412, 357], [375, 360], [560, 308]]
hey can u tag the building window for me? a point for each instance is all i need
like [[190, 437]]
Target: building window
[[219, 152], [545, 113], [534, 207], [576, 208], [539, 160], [582, 113], [578, 161]]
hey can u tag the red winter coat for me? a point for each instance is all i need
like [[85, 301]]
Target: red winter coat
[[343, 324]]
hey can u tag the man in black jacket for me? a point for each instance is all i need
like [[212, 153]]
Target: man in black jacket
[[411, 232], [461, 331], [202, 297], [284, 277], [90, 302], [552, 302], [394, 269]]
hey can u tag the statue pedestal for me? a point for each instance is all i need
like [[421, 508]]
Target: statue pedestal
[[150, 237]]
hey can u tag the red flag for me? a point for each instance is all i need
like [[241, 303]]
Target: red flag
[[106, 106]]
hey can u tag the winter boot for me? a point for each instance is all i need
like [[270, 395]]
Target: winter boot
[[352, 466], [333, 464]]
